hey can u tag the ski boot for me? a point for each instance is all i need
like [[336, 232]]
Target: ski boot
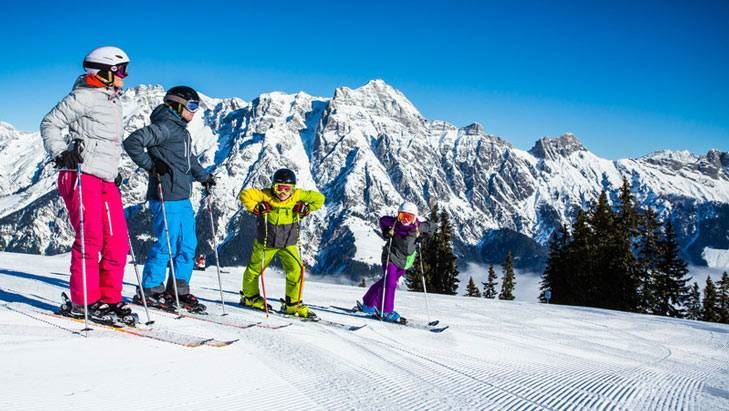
[[124, 314], [367, 309], [98, 312], [298, 309], [162, 301], [190, 303], [393, 317], [255, 302]]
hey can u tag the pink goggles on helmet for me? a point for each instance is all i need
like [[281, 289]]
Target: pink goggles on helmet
[[120, 70]]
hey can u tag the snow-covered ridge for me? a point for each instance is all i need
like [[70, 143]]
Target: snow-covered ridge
[[368, 149]]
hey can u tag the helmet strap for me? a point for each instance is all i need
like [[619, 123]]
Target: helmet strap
[[106, 77], [177, 109]]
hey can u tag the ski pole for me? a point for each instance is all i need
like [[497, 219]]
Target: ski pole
[[83, 247], [169, 247], [384, 277], [139, 281], [422, 277], [301, 260], [263, 259], [215, 247]]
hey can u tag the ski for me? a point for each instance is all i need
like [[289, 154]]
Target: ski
[[322, 321], [226, 321], [23, 313], [316, 320], [154, 334], [432, 326]]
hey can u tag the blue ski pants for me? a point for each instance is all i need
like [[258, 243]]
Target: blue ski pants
[[181, 222]]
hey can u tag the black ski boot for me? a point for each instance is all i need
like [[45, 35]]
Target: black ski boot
[[123, 313], [163, 301], [190, 303], [98, 312]]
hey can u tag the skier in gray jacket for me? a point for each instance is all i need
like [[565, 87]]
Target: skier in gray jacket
[[164, 149]]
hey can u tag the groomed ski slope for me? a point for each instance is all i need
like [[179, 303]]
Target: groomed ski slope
[[495, 355]]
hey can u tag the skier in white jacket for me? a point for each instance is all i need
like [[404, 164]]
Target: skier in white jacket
[[84, 132]]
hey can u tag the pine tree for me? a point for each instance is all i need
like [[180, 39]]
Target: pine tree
[[711, 309], [507, 285], [362, 283], [723, 297], [446, 276], [555, 276], [693, 303], [624, 261], [608, 280], [628, 214], [471, 289], [489, 287], [648, 255], [580, 257], [670, 277]]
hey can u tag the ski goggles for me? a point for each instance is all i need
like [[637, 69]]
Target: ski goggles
[[406, 218], [190, 105], [120, 70], [283, 188]]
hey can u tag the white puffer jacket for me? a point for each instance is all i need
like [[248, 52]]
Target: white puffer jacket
[[93, 115]]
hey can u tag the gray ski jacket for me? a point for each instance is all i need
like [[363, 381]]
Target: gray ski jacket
[[94, 116], [166, 140]]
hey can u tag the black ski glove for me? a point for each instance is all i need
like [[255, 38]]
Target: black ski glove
[[209, 183], [302, 209], [71, 158], [118, 180], [262, 208], [160, 168]]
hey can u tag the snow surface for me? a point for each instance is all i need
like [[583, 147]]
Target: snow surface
[[496, 355]]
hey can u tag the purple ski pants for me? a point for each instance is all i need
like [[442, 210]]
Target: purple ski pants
[[373, 297]]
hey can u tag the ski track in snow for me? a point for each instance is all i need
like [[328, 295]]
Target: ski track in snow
[[495, 355]]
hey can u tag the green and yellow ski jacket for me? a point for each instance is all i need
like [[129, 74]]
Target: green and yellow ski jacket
[[283, 223]]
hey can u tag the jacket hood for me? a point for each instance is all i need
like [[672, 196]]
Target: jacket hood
[[164, 113]]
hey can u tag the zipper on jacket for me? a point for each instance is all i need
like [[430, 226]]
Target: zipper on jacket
[[188, 151]]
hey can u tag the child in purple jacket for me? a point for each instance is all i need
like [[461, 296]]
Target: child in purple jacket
[[398, 255]]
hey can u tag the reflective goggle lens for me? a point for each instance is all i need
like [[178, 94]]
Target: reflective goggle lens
[[406, 218], [192, 105], [282, 188], [120, 70]]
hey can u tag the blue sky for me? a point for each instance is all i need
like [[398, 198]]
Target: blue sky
[[627, 78]]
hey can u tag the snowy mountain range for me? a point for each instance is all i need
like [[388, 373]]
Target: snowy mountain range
[[368, 149]]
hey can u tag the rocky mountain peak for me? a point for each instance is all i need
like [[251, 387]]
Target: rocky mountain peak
[[552, 148], [473, 129], [379, 98]]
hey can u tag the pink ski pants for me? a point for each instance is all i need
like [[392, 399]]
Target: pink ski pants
[[105, 232]]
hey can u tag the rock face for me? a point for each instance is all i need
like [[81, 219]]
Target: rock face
[[368, 149]]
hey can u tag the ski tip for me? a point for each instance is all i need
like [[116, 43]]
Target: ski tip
[[220, 343], [439, 330]]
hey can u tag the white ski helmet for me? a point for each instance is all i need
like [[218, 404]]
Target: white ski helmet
[[107, 58], [408, 207]]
